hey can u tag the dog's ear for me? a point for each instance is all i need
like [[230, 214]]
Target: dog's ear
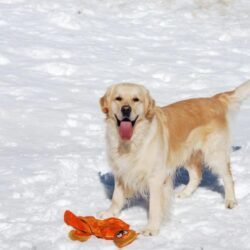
[[104, 104], [150, 108], [104, 101]]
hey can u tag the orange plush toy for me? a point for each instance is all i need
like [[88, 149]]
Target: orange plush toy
[[109, 229]]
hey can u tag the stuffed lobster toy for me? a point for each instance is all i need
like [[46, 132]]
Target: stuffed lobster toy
[[109, 229]]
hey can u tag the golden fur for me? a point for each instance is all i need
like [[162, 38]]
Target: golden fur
[[186, 133]]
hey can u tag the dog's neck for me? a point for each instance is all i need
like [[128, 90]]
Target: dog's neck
[[124, 147]]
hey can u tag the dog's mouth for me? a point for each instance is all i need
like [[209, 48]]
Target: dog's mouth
[[125, 127]]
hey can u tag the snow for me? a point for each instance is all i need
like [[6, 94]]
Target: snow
[[56, 60]]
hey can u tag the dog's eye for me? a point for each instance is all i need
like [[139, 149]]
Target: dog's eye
[[118, 98], [136, 99]]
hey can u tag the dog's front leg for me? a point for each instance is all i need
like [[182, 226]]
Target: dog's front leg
[[118, 200], [156, 207]]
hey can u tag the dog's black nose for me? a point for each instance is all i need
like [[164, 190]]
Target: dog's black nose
[[126, 110]]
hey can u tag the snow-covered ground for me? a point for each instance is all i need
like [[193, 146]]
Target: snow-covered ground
[[56, 60]]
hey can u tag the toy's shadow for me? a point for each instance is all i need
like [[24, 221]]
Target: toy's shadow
[[209, 181]]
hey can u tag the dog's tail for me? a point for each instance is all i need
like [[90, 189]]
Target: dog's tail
[[242, 92], [238, 95]]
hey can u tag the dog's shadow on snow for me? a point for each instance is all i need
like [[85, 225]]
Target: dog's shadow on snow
[[209, 181]]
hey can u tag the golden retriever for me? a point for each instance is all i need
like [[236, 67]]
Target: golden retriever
[[146, 143]]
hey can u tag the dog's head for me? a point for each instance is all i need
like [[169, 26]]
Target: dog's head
[[127, 104]]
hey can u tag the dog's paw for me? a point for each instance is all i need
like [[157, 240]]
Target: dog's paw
[[230, 203], [182, 194], [149, 231]]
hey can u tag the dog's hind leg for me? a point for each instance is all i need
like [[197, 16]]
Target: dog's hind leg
[[224, 171], [194, 168], [219, 162], [230, 200]]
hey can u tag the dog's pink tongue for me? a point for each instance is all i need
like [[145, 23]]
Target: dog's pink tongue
[[126, 130]]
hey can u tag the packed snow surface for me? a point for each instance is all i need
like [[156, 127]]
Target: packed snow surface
[[56, 60]]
